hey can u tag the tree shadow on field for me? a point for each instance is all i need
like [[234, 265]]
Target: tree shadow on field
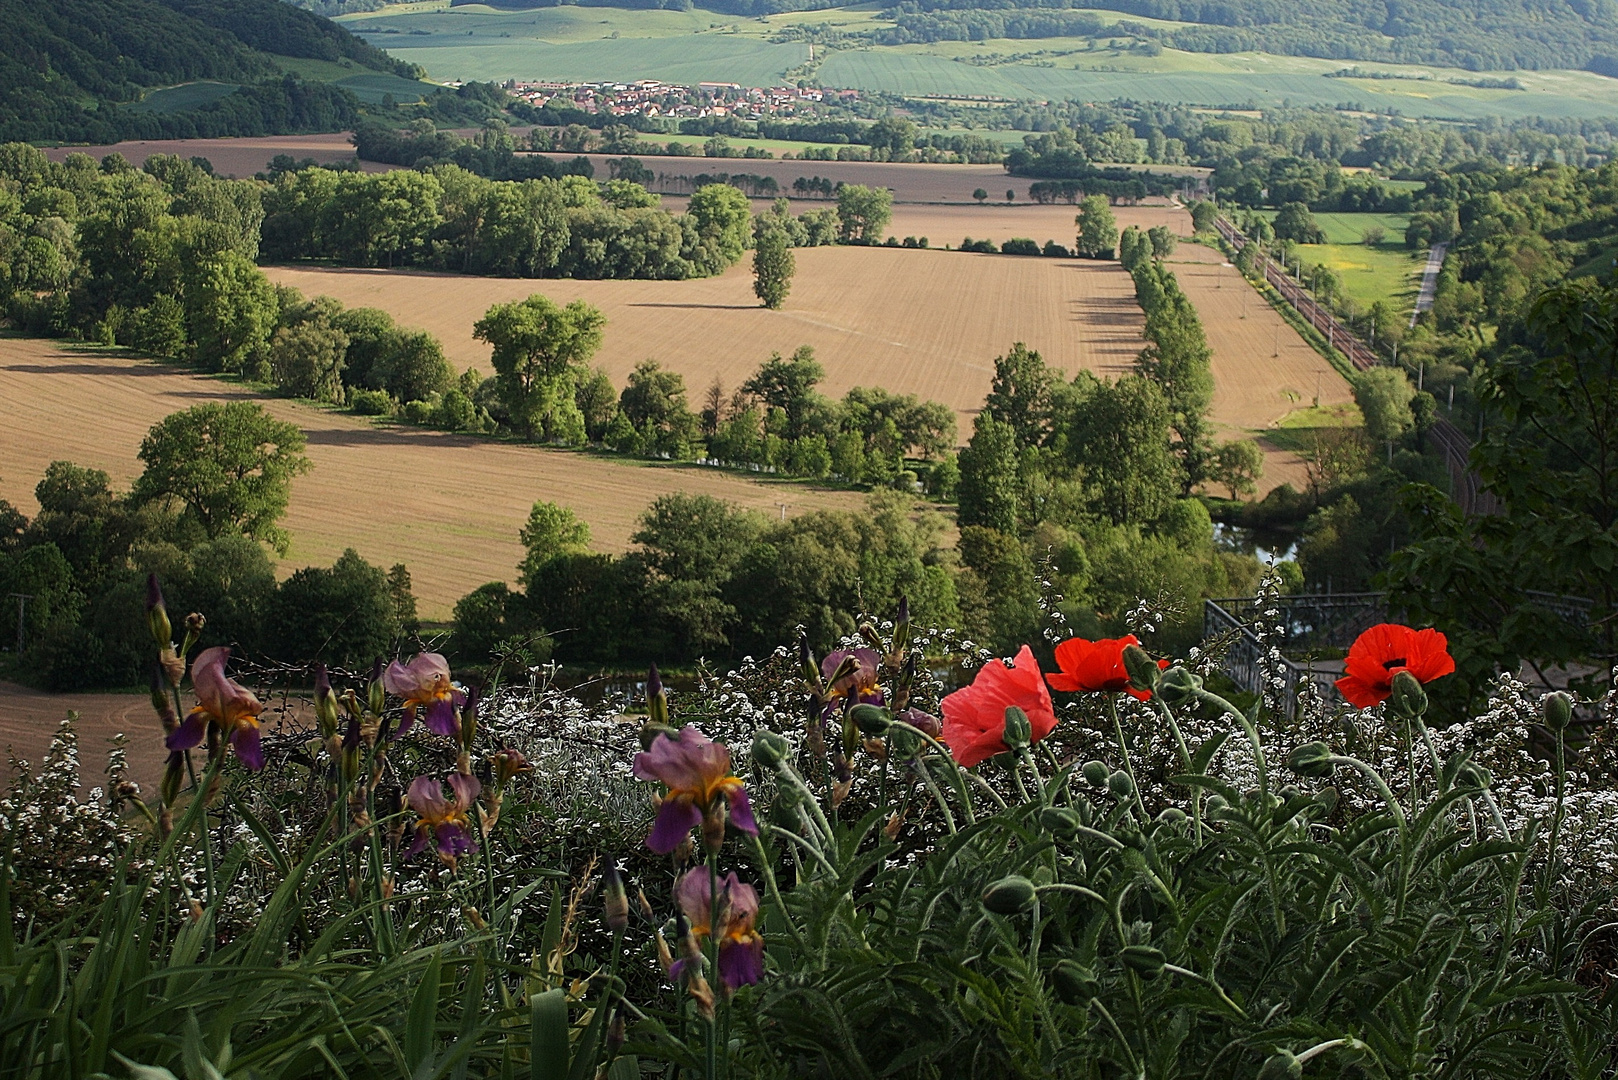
[[1106, 311], [84, 368], [391, 436], [700, 307]]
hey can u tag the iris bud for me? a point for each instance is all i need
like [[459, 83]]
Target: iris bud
[[649, 733], [1406, 697], [1178, 685], [657, 702], [871, 719], [1009, 895], [1144, 960], [1075, 983], [325, 702], [925, 722], [157, 616], [1019, 733], [1095, 774], [770, 748], [1143, 670], [615, 902], [1558, 710], [1311, 759]]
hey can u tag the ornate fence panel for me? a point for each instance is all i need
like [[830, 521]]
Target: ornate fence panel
[[1306, 622]]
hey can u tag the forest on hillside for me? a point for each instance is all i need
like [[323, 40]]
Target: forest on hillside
[[67, 66]]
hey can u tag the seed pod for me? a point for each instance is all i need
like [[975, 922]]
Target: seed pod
[[1178, 685], [871, 719], [1311, 759], [1019, 732], [1009, 895], [1144, 960], [1075, 984], [1558, 710], [1406, 697]]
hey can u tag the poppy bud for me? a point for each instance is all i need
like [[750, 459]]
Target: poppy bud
[[904, 743], [1178, 685], [1558, 710], [770, 748], [1311, 759], [1019, 733], [157, 616], [1059, 821], [1095, 774], [657, 702], [1172, 815], [1406, 697], [1009, 895], [1143, 670], [871, 719], [1144, 960], [615, 902], [1120, 784], [1075, 983], [1472, 775], [1282, 1065]]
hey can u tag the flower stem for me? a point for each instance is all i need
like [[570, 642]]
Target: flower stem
[[1123, 748]]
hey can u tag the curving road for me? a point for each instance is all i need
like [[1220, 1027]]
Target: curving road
[[1429, 280]]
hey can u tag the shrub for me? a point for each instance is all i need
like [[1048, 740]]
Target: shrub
[[370, 402], [1019, 246]]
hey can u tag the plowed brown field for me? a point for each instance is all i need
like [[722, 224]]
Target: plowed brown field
[[1262, 368], [922, 322], [447, 506]]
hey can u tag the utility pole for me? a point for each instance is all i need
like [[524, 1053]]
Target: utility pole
[[22, 605]]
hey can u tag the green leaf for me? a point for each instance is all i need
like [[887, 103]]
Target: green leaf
[[144, 1072], [625, 1068], [422, 1020], [1205, 753], [548, 1056]]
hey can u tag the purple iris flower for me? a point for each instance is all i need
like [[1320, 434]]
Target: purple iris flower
[[224, 703], [741, 948], [425, 682], [696, 771], [442, 820]]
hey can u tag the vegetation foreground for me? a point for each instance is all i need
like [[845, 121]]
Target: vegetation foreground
[[1135, 878]]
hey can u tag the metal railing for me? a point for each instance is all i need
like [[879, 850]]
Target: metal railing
[[1249, 663]]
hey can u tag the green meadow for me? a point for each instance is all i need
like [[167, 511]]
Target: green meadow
[[589, 43]]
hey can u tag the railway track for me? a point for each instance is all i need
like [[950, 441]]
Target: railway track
[[1455, 446]]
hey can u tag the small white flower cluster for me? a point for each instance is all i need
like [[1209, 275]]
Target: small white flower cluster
[[63, 848]]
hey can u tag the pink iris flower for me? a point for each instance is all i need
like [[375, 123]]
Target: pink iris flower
[[741, 947], [696, 771], [425, 682], [226, 704], [444, 821]]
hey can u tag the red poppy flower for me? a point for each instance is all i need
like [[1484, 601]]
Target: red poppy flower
[[1385, 650], [975, 716], [1090, 667]]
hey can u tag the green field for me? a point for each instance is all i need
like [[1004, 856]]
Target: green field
[[591, 43], [1386, 272], [172, 99]]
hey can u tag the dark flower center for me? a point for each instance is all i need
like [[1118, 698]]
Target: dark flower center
[[1389, 665]]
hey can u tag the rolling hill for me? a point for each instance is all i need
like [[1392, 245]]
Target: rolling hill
[[68, 68]]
